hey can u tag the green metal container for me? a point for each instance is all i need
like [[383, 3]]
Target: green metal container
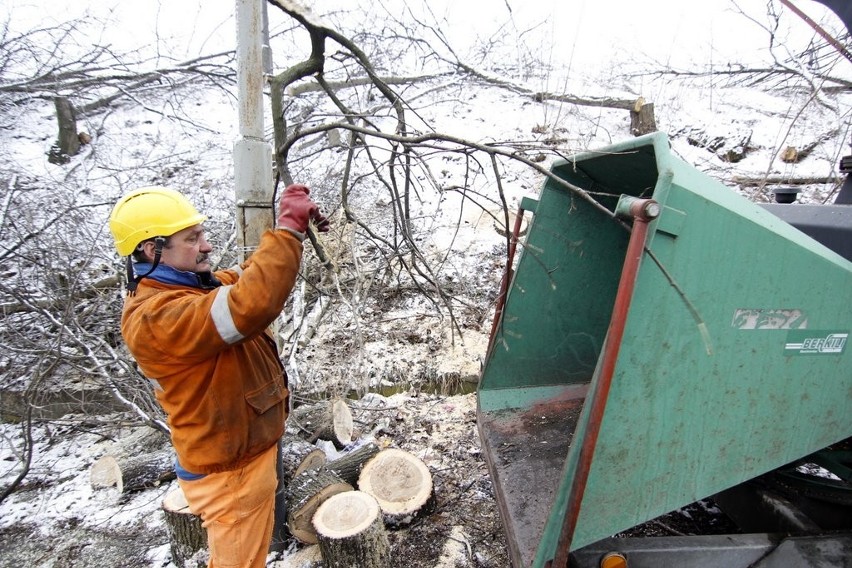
[[731, 359]]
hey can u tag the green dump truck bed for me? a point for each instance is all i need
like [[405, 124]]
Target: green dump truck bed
[[730, 358]]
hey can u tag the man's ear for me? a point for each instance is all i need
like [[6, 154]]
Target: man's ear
[[148, 248]]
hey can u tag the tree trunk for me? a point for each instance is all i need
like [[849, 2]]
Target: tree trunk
[[351, 533], [133, 473], [348, 466], [642, 119], [186, 535], [304, 495], [68, 143], [401, 483], [297, 456]]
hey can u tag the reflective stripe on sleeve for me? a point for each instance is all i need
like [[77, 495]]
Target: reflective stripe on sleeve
[[222, 319]]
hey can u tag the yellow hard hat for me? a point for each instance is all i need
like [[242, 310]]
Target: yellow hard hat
[[150, 212]]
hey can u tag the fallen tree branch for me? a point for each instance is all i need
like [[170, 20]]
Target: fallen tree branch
[[87, 78], [755, 76], [606, 102], [96, 289], [310, 87], [746, 181]]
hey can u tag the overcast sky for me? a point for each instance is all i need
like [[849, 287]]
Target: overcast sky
[[675, 30]]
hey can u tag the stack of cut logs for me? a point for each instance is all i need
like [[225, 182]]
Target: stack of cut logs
[[324, 507]]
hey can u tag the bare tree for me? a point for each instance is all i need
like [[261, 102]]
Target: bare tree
[[61, 288], [59, 304], [384, 141]]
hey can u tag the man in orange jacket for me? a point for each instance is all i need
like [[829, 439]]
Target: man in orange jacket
[[202, 340]]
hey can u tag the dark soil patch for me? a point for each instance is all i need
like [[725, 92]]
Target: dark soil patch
[[25, 545]]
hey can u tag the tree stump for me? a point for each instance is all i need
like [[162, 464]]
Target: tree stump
[[401, 483], [297, 456], [68, 142], [351, 532], [186, 535], [335, 424], [306, 492], [133, 473], [642, 120], [348, 466]]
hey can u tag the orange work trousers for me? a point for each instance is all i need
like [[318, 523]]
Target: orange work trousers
[[237, 510]]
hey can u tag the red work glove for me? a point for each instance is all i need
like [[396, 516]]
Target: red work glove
[[295, 210]]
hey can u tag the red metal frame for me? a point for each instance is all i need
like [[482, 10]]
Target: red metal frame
[[640, 211], [507, 274]]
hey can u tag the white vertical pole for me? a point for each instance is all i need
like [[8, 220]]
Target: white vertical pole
[[252, 154], [253, 170]]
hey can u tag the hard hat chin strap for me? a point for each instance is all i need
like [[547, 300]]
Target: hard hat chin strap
[[132, 278]]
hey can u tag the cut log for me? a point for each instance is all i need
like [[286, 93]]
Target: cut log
[[335, 424], [133, 473], [297, 456], [401, 483], [187, 537], [789, 155], [342, 425], [304, 495], [351, 532], [348, 466]]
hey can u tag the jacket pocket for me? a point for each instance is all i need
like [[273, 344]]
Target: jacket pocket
[[267, 396]]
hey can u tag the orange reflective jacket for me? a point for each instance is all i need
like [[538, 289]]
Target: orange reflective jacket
[[214, 365]]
